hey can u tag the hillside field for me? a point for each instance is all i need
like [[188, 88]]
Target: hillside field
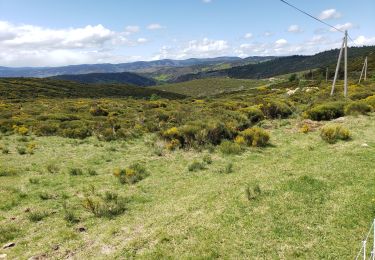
[[244, 174]]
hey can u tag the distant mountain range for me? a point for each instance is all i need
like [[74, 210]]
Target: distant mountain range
[[42, 72]]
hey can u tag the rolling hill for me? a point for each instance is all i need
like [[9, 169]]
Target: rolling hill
[[20, 88], [110, 78], [42, 72], [290, 64]]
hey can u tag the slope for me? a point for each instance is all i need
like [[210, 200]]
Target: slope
[[21, 88], [112, 78]]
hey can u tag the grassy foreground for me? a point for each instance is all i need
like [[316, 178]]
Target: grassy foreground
[[316, 200]]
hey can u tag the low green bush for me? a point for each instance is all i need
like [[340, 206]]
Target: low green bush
[[252, 192], [357, 108], [228, 147], [371, 101], [256, 137], [100, 207], [37, 215], [327, 111], [75, 172], [132, 174], [98, 111], [276, 109], [254, 114], [332, 133]]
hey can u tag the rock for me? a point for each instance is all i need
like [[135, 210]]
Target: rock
[[339, 120], [55, 247], [3, 256], [9, 245], [365, 145]]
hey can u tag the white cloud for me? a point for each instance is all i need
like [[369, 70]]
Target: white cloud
[[29, 45], [329, 14], [280, 43], [196, 48], [248, 36], [155, 26], [342, 27], [142, 40], [132, 29], [268, 34], [362, 40], [294, 29]]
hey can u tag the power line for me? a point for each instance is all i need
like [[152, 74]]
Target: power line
[[311, 16], [317, 19]]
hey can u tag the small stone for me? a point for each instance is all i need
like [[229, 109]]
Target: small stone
[[9, 245], [365, 145], [55, 247], [3, 256]]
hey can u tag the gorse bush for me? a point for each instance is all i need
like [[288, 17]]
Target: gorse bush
[[327, 111], [98, 111], [256, 137], [332, 133], [228, 147], [132, 174], [357, 108], [276, 109], [254, 114]]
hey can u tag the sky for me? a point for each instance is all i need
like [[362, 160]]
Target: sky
[[55, 33]]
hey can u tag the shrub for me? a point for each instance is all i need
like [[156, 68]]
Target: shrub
[[240, 140], [252, 192], [305, 128], [255, 136], [173, 144], [36, 216], [327, 111], [22, 130], [196, 166], [371, 101], [228, 147], [92, 172], [105, 208], [276, 109], [21, 150], [46, 129], [98, 111], [75, 172], [254, 114], [70, 216], [52, 168], [207, 159], [358, 108], [133, 174], [334, 132]]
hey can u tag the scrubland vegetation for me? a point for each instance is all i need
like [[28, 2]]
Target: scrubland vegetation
[[256, 172]]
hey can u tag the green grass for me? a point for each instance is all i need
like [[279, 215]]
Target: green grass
[[211, 87], [297, 198]]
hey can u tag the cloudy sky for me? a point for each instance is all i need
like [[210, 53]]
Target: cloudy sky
[[55, 33]]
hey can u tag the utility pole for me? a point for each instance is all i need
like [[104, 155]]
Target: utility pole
[[344, 47], [346, 65], [337, 68], [364, 69]]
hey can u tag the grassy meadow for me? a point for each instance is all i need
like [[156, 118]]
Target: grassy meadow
[[252, 174]]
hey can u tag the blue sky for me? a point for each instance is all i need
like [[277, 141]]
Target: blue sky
[[55, 33]]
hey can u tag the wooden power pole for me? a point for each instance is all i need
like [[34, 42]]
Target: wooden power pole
[[364, 70], [344, 48]]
